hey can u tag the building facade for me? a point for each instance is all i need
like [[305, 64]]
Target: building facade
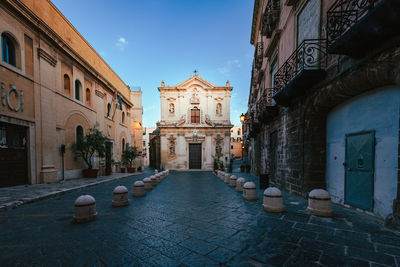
[[146, 145], [195, 124], [54, 87], [324, 100], [137, 124], [236, 142]]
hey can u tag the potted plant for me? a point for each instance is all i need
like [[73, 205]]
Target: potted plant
[[128, 156], [242, 168], [247, 168], [89, 145], [230, 167], [123, 169]]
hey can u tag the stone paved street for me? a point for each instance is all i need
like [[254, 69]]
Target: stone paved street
[[190, 219]]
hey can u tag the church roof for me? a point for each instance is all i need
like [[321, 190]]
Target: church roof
[[195, 79]]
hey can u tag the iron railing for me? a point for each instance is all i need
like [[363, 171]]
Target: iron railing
[[271, 17], [343, 14], [309, 55]]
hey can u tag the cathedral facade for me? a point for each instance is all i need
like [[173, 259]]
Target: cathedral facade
[[195, 124]]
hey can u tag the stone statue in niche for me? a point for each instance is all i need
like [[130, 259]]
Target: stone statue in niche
[[171, 108], [219, 109], [218, 145], [171, 146]]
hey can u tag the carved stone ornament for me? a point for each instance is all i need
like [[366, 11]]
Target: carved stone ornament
[[181, 121], [208, 121], [195, 98], [5, 97]]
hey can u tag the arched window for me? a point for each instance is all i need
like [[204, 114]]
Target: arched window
[[108, 110], [79, 133], [67, 83], [123, 117], [87, 96], [195, 115], [123, 144], [9, 48], [77, 90], [171, 108], [219, 109]]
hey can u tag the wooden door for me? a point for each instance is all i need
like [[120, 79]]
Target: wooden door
[[359, 169], [13, 155], [194, 156]]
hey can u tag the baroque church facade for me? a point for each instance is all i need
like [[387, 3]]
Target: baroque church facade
[[195, 124]]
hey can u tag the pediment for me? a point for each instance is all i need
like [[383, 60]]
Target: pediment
[[195, 81]]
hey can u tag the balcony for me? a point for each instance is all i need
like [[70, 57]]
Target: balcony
[[259, 55], [355, 27], [304, 68], [266, 107], [271, 17]]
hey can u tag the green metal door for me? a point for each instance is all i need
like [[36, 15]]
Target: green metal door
[[359, 169]]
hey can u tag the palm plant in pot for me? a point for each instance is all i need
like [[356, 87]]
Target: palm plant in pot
[[93, 143], [129, 155]]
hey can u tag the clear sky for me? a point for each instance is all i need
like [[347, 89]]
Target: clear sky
[[146, 41]]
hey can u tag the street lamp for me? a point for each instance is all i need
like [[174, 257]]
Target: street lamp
[[242, 118]]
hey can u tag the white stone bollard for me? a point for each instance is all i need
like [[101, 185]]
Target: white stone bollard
[[85, 209], [158, 177], [120, 197], [227, 177], [147, 183], [273, 200], [239, 184], [319, 203], [250, 191], [155, 171], [138, 189], [232, 181], [153, 181]]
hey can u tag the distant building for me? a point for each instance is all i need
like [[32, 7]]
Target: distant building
[[195, 124], [136, 114], [236, 142], [146, 145]]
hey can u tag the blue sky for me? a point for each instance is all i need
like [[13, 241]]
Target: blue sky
[[146, 41]]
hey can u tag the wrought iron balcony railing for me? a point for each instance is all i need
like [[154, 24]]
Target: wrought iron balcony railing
[[309, 55], [345, 13], [266, 106], [271, 17]]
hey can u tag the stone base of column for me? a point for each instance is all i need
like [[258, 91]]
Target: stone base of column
[[48, 174]]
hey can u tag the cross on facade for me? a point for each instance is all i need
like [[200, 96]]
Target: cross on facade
[[195, 72]]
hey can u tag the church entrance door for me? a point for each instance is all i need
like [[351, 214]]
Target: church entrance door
[[194, 156]]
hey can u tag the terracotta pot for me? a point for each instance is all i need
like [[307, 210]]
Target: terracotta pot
[[248, 169], [108, 171], [123, 170], [131, 170], [90, 173], [230, 169], [241, 168]]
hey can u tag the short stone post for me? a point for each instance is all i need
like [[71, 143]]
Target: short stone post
[[138, 189], [153, 181], [227, 178], [319, 203], [147, 183], [120, 197], [250, 191], [232, 181], [273, 200], [239, 184], [85, 209]]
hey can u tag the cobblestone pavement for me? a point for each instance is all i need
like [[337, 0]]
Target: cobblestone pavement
[[190, 219], [12, 197]]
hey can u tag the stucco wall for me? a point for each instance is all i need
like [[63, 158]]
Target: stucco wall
[[376, 110]]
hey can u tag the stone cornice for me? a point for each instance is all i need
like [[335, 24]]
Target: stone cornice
[[47, 57]]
